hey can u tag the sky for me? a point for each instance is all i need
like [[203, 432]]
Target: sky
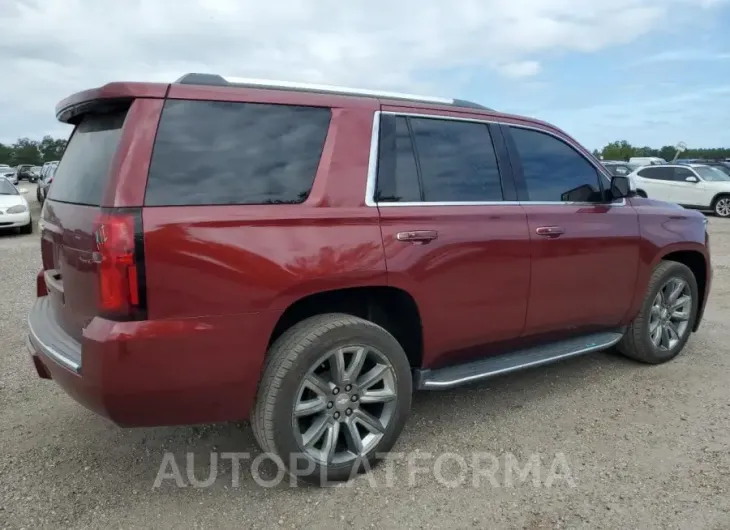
[[653, 72]]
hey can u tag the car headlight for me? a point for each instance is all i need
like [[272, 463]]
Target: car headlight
[[20, 208]]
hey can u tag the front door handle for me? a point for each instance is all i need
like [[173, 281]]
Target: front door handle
[[418, 236], [550, 231]]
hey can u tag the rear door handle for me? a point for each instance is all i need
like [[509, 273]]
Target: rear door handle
[[418, 236], [550, 231]]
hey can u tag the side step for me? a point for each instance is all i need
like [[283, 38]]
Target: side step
[[452, 376]]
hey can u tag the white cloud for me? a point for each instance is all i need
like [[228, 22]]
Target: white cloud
[[51, 48], [519, 69], [692, 55]]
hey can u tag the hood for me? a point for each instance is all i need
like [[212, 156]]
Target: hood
[[7, 201]]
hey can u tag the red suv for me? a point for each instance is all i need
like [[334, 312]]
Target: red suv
[[217, 249]]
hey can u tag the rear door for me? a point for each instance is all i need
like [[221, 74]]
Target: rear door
[[689, 193], [453, 233], [71, 215], [585, 251], [657, 182]]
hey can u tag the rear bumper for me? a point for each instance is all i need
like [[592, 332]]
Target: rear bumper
[[147, 373]]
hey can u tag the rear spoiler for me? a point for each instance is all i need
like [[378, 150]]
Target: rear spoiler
[[105, 97]]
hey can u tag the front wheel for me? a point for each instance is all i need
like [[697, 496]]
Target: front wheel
[[334, 396], [722, 206], [27, 229], [664, 323]]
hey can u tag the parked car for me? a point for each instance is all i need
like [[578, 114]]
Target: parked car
[[24, 171], [695, 186], [9, 173], [35, 173], [308, 256], [14, 211], [717, 164], [646, 160], [617, 167], [45, 181]]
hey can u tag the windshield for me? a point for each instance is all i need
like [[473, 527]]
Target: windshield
[[711, 174], [721, 167], [6, 188]]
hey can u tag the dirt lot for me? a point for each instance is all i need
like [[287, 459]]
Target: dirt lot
[[637, 447]]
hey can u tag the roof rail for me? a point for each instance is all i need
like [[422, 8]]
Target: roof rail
[[244, 82]]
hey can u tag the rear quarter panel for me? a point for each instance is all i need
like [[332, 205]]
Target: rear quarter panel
[[224, 260], [665, 228]]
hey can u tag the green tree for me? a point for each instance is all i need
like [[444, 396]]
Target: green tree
[[51, 148], [25, 151], [619, 150], [6, 154]]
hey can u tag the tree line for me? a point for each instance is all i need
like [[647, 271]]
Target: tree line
[[27, 151], [623, 150]]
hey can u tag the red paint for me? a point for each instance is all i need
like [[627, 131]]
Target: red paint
[[218, 278]]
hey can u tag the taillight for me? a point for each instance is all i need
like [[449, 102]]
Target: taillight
[[119, 256]]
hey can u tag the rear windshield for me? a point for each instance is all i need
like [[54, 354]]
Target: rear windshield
[[210, 152], [83, 170]]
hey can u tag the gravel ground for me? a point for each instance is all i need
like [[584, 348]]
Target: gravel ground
[[631, 446]]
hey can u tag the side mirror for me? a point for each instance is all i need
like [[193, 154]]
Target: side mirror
[[692, 180], [620, 187]]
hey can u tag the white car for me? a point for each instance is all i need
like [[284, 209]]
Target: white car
[[646, 160], [14, 211], [693, 186], [9, 173]]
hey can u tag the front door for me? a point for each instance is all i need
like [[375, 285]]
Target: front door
[[585, 251], [451, 239], [689, 193]]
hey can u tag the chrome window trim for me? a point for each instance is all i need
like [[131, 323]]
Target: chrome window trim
[[622, 202], [373, 167], [373, 161]]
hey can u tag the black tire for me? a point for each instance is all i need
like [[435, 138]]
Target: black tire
[[39, 195], [288, 361], [721, 206], [641, 193], [636, 343], [27, 229]]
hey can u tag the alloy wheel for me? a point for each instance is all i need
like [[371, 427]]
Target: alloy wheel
[[345, 404], [722, 208], [670, 314]]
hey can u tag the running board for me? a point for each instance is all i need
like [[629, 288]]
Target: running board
[[452, 376]]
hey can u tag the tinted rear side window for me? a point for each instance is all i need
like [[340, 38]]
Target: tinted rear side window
[[82, 174], [457, 161], [398, 175], [656, 173], [210, 152]]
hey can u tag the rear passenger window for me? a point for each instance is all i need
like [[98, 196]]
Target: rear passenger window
[[553, 170], [210, 152], [457, 161], [397, 174], [656, 173]]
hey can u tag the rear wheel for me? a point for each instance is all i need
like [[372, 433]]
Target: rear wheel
[[664, 323], [334, 396], [722, 206]]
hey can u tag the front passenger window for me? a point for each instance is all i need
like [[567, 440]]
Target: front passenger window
[[681, 174], [553, 170]]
